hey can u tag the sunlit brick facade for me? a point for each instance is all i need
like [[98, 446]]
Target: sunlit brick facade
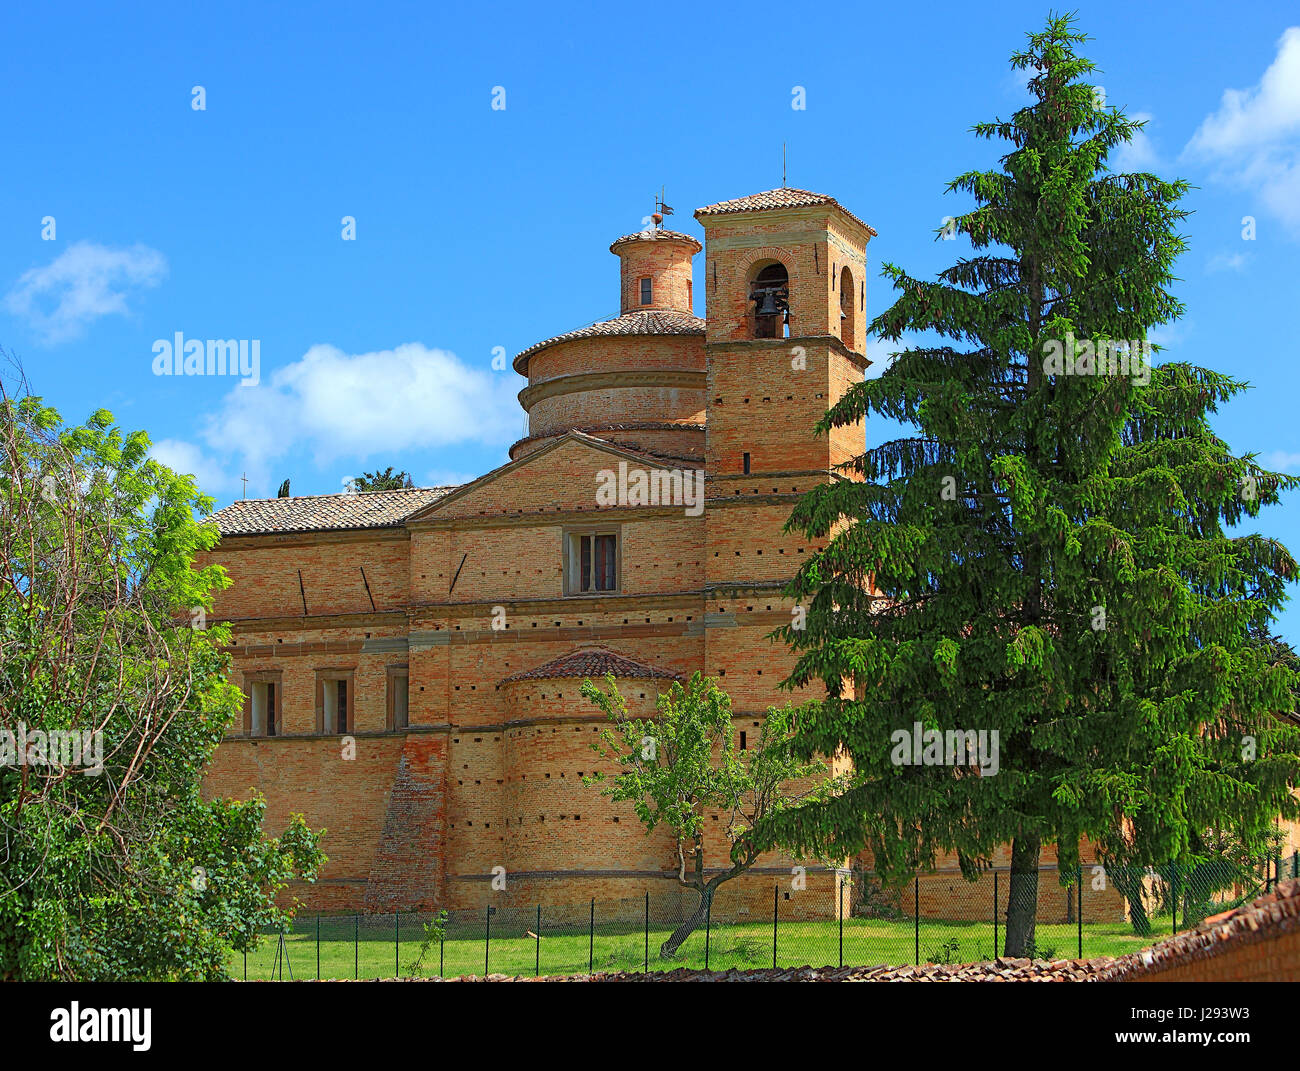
[[412, 659]]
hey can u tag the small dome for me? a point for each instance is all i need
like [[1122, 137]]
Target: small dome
[[657, 236], [656, 322]]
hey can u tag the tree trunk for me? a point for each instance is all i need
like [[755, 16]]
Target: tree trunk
[[669, 948], [1128, 881], [1022, 897]]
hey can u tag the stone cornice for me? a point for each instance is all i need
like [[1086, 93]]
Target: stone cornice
[[611, 378], [830, 341]]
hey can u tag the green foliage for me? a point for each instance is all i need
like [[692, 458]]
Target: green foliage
[[685, 762], [388, 480], [119, 870], [876, 901], [1051, 554], [435, 932], [283, 492], [946, 952]]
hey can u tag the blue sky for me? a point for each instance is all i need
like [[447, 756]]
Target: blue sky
[[479, 228]]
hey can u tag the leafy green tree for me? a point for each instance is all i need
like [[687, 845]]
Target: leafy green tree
[[284, 490], [684, 763], [114, 867], [1048, 555], [388, 480]]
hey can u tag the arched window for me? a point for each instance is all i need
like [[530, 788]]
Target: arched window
[[769, 294], [848, 321]]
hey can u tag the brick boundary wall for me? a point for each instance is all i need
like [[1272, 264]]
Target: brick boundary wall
[[1257, 942]]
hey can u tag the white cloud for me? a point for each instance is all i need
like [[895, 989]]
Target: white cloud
[[180, 456], [1138, 154], [1280, 461], [449, 478], [337, 405], [82, 284], [1227, 262], [1253, 140]]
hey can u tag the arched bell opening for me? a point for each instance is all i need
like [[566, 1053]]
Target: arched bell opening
[[769, 296]]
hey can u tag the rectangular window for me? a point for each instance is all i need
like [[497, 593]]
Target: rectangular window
[[399, 697], [334, 702], [262, 703], [592, 562], [745, 458], [647, 291]]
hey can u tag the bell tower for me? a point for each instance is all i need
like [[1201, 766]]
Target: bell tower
[[785, 278], [783, 341]]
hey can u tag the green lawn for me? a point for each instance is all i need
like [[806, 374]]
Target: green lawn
[[367, 951]]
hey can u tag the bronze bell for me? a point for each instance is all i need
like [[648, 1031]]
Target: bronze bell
[[767, 305]]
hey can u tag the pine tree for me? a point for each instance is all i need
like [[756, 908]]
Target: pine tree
[[388, 480], [1048, 555]]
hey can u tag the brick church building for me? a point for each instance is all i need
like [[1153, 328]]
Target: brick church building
[[411, 659]]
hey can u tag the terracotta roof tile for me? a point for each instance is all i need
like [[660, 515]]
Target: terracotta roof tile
[[593, 662], [1265, 918], [786, 197], [656, 235], [316, 513], [652, 322]]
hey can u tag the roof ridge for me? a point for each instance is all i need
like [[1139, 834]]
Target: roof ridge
[[339, 494]]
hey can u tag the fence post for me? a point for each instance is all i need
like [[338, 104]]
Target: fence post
[[708, 924], [442, 950], [1079, 910], [318, 948], [776, 891], [647, 931], [917, 915], [591, 939], [397, 943], [537, 967], [245, 965], [487, 937], [995, 914], [356, 946], [839, 910], [1173, 891]]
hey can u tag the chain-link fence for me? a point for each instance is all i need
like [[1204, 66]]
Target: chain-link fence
[[937, 917]]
